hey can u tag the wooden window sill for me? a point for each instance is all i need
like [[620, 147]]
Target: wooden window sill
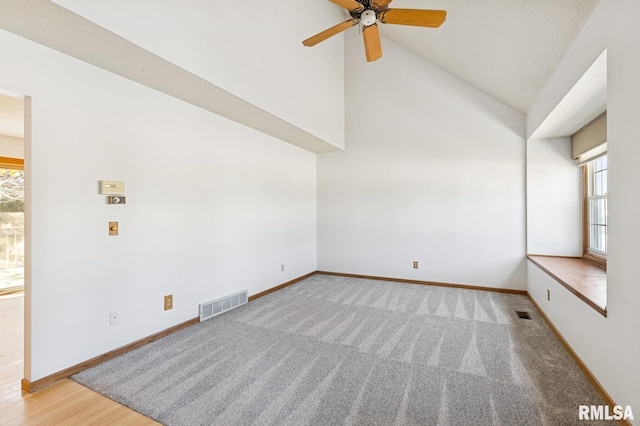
[[581, 277]]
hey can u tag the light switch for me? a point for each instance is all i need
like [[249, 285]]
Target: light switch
[[113, 228]]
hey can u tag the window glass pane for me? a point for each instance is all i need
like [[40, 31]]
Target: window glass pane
[[590, 179], [601, 239], [11, 229], [599, 183], [597, 205], [600, 217]]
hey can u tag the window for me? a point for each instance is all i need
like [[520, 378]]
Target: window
[[595, 214], [11, 225]]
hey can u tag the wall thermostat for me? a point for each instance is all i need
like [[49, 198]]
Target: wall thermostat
[[108, 187]]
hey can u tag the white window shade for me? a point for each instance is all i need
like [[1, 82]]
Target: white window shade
[[590, 142], [592, 154]]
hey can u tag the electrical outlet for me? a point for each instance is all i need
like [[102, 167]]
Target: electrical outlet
[[415, 265], [282, 268], [114, 318], [168, 302], [548, 295], [113, 228]]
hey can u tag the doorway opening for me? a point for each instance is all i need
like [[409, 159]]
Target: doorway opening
[[12, 121], [14, 288]]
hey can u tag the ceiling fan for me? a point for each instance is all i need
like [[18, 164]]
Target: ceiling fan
[[368, 12]]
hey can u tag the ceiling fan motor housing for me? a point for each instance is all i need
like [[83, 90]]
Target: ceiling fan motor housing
[[368, 17]]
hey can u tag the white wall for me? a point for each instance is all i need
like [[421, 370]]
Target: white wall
[[554, 202], [253, 50], [11, 147], [213, 207], [433, 172], [610, 347]]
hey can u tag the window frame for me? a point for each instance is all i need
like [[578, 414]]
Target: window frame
[[12, 163], [592, 256]]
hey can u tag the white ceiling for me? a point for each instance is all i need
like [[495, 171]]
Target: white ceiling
[[47, 23], [506, 48], [586, 100], [11, 116]]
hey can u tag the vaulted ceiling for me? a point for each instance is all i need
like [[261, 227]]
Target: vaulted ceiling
[[505, 48]]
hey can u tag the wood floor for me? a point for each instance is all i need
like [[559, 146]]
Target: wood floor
[[63, 403]]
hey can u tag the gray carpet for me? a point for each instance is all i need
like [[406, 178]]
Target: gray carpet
[[333, 350]]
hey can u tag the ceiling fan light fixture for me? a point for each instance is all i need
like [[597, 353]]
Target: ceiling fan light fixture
[[368, 17], [368, 13]]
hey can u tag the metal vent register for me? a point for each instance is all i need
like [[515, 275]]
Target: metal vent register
[[218, 306]]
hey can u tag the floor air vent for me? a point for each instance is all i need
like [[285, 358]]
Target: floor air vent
[[218, 306], [523, 315]]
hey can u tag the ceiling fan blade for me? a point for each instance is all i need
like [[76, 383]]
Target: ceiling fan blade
[[372, 46], [415, 17], [350, 5], [380, 4], [336, 29]]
